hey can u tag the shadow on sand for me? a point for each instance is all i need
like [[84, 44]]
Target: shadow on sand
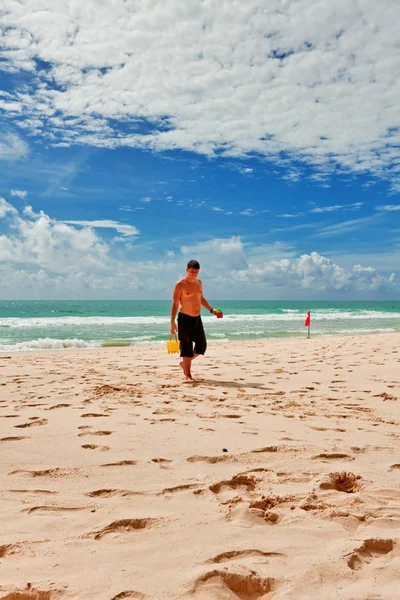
[[229, 384]]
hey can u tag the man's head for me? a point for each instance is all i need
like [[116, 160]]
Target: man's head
[[193, 264], [192, 269]]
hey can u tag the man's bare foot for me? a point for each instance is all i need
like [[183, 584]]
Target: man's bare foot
[[187, 374]]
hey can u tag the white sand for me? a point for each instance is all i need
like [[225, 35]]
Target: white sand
[[114, 482]]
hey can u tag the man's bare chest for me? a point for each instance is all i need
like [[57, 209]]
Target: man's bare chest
[[191, 292]]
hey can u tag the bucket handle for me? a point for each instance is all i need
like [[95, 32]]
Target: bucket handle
[[173, 335]]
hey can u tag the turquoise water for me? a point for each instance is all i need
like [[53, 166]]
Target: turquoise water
[[35, 325]]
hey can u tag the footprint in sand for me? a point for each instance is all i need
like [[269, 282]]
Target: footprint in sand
[[333, 456], [342, 482], [230, 416], [126, 526], [121, 463], [129, 594], [94, 447], [208, 459], [180, 488], [30, 593], [109, 493], [32, 492], [240, 554], [53, 509], [262, 508], [52, 473], [7, 549], [34, 423], [267, 449], [85, 415], [249, 483], [94, 433], [14, 439], [368, 551], [244, 584], [58, 406]]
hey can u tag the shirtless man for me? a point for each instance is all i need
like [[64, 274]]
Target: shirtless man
[[188, 297]]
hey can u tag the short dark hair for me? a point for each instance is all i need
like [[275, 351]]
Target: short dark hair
[[193, 264]]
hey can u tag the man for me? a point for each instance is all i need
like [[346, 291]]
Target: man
[[188, 297]]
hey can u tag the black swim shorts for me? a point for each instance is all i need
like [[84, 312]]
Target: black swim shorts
[[190, 331]]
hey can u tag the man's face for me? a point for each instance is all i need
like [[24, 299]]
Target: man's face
[[192, 274]]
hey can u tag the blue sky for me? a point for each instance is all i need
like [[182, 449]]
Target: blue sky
[[261, 140]]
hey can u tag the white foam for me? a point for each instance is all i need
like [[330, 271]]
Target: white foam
[[68, 322], [288, 315], [48, 344]]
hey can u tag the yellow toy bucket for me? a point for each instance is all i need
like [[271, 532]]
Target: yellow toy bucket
[[173, 346]]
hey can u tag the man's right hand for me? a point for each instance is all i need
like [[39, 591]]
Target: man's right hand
[[174, 329]]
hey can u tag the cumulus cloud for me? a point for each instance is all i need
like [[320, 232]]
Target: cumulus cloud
[[314, 82], [230, 263], [315, 272], [39, 242], [6, 208], [40, 253]]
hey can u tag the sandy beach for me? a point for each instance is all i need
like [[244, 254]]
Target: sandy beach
[[275, 475]]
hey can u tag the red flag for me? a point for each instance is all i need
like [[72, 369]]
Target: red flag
[[307, 322]]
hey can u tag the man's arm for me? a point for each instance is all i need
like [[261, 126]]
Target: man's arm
[[205, 303], [175, 305]]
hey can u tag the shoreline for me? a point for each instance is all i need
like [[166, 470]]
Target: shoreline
[[211, 342]]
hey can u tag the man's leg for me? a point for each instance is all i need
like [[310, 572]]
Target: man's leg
[[199, 339], [186, 365], [185, 334]]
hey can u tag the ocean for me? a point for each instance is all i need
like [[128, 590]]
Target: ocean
[[40, 325]]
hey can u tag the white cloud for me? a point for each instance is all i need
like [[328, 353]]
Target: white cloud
[[218, 254], [344, 227], [318, 82], [5, 208], [247, 212], [12, 147], [19, 193], [314, 272], [231, 264], [336, 207], [47, 257], [41, 256], [291, 216], [123, 228], [39, 242], [389, 207]]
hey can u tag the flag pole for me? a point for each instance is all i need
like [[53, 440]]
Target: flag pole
[[307, 323]]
